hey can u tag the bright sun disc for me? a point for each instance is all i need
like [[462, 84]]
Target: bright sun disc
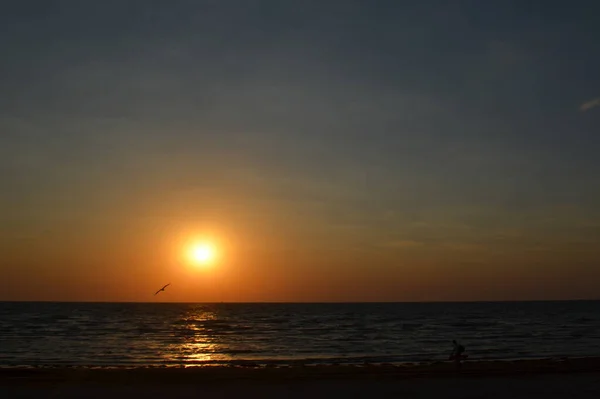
[[202, 254]]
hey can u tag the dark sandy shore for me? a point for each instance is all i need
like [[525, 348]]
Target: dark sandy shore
[[567, 378]]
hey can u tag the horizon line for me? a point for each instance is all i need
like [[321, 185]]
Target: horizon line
[[308, 302]]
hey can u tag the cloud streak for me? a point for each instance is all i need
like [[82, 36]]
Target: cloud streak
[[403, 244], [586, 106]]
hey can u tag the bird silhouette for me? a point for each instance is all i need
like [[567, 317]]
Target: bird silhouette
[[162, 289]]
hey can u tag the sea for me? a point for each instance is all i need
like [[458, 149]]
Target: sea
[[276, 334]]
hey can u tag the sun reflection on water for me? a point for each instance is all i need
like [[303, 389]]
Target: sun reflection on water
[[198, 339]]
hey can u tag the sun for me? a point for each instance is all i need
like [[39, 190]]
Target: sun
[[202, 254]]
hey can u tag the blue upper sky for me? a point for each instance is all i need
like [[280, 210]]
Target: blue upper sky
[[415, 119]]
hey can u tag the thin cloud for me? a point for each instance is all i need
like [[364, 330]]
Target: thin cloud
[[586, 106], [403, 244]]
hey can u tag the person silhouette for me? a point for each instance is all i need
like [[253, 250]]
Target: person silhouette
[[458, 349], [457, 354]]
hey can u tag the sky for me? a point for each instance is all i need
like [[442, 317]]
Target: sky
[[330, 150]]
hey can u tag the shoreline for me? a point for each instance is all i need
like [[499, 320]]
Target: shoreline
[[220, 374], [540, 379]]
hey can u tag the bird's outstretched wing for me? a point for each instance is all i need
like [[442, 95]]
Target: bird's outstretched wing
[[162, 289]]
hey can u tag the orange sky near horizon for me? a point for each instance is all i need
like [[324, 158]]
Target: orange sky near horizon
[[276, 265], [119, 245]]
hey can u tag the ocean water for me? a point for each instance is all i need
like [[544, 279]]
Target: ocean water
[[150, 334]]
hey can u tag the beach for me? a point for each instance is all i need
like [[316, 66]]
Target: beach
[[547, 378]]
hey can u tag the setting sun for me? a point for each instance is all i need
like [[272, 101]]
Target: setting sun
[[202, 254]]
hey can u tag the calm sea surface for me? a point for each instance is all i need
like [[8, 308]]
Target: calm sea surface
[[128, 334]]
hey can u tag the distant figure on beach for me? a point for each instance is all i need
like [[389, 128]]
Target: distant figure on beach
[[458, 351]]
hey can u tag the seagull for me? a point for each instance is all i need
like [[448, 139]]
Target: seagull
[[162, 289]]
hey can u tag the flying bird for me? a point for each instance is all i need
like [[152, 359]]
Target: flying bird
[[162, 289]]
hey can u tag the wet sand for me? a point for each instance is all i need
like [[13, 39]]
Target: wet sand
[[567, 378]]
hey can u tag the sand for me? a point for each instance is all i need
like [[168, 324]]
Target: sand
[[571, 378]]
